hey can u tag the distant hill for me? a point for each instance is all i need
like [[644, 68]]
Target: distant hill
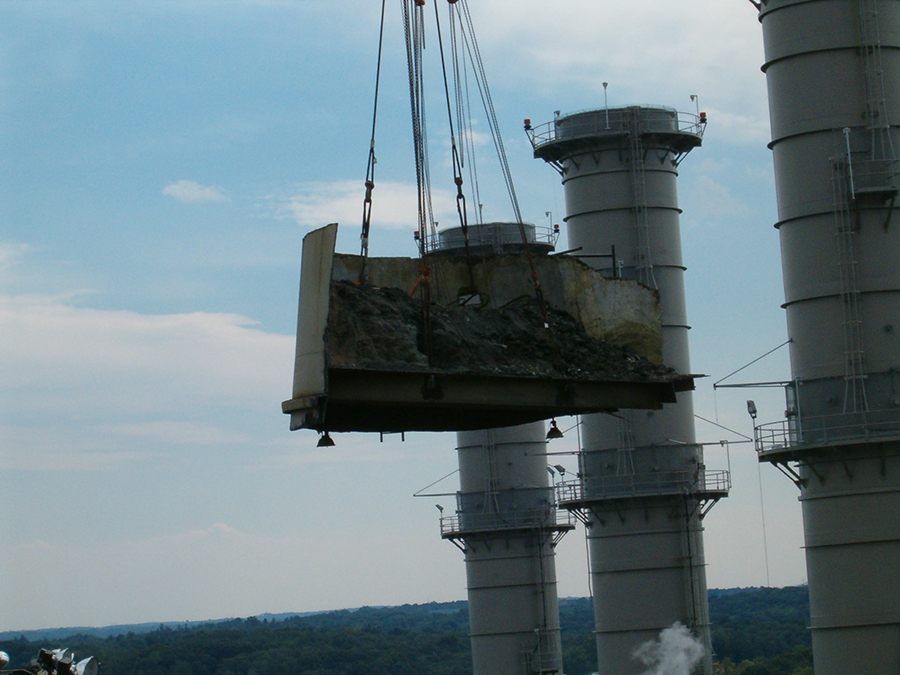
[[51, 634], [755, 630]]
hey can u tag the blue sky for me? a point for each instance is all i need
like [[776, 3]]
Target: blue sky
[[160, 163]]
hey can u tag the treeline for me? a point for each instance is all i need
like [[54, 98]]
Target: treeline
[[755, 632], [753, 622]]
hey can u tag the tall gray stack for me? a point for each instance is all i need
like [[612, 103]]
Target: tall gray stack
[[643, 489], [833, 73], [506, 522], [507, 527]]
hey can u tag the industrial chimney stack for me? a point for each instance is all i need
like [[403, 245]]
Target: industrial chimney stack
[[833, 74], [643, 487], [506, 521]]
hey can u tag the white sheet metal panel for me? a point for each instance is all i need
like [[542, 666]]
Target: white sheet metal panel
[[312, 316]]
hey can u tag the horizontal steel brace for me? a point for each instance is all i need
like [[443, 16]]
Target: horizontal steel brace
[[391, 401]]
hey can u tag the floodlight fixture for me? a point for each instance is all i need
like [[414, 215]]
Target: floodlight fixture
[[553, 432], [325, 441]]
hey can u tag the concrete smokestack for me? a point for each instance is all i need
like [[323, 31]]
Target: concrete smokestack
[[833, 74], [644, 489], [506, 521], [506, 524]]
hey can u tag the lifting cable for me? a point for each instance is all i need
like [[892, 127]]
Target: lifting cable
[[471, 44], [468, 31], [457, 164], [370, 164], [413, 27], [415, 42], [464, 112]]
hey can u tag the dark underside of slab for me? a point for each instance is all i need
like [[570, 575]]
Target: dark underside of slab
[[386, 401]]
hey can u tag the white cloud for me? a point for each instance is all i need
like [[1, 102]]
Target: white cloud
[[189, 192], [46, 337], [175, 432], [394, 205], [149, 427], [170, 577], [10, 256], [649, 51], [121, 380], [53, 448]]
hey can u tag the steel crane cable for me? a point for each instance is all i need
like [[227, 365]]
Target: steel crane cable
[[415, 41], [464, 110], [467, 29], [457, 164], [481, 79], [370, 164]]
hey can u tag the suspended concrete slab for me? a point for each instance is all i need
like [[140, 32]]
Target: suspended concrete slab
[[362, 359]]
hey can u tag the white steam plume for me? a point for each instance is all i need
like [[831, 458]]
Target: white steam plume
[[676, 652]]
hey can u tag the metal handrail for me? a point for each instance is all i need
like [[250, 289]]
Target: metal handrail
[[683, 122], [482, 236], [546, 654], [643, 484], [875, 175], [506, 520], [794, 433]]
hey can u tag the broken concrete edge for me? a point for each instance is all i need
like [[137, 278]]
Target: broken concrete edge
[[620, 311], [327, 398], [586, 327]]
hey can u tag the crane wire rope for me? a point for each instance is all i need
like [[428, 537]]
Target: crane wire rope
[[470, 144], [464, 117], [461, 209], [413, 26], [413, 21], [415, 42], [370, 164], [470, 42]]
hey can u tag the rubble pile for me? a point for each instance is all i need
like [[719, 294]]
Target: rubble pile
[[376, 328]]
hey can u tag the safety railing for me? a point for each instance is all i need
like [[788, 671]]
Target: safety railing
[[547, 518], [616, 121], [874, 176], [545, 656], [840, 428], [498, 237], [645, 484]]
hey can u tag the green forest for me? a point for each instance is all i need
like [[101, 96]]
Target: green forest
[[756, 631]]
